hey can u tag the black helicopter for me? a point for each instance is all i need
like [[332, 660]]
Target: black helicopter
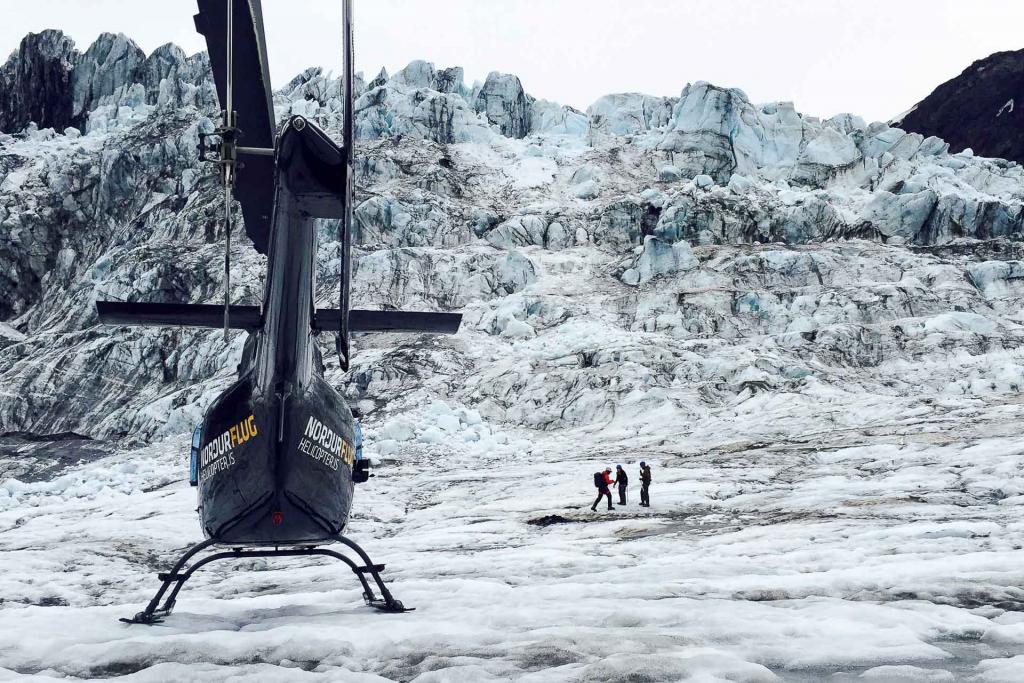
[[275, 456]]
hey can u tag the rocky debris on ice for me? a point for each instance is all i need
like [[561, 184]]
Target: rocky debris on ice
[[404, 278]]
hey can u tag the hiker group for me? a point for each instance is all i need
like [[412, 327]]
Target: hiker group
[[603, 481]]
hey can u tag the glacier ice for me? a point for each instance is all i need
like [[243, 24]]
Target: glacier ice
[[811, 327]]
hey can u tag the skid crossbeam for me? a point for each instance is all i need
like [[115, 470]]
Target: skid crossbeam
[[176, 578]]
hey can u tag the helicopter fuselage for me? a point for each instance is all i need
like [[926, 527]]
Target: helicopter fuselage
[[277, 448]]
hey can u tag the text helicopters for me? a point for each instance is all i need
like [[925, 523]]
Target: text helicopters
[[275, 457]]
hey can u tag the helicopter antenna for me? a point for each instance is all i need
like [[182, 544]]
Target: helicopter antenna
[[228, 157], [345, 225]]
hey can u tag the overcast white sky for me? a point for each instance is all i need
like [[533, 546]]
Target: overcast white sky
[[872, 57]]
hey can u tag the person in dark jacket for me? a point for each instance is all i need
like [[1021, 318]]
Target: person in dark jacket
[[605, 480], [622, 480], [645, 484]]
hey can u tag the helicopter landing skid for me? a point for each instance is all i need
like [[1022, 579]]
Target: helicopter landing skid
[[155, 612]]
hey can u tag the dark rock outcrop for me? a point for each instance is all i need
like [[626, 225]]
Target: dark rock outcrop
[[981, 109], [36, 83]]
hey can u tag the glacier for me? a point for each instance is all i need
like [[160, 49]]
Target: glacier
[[811, 328]]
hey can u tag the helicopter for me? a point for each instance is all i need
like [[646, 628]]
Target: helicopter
[[274, 458]]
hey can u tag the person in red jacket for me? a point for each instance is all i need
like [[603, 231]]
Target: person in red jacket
[[603, 480]]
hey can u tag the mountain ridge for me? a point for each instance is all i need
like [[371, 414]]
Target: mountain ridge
[[981, 109]]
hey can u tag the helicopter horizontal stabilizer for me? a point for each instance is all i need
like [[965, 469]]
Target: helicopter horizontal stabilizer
[[329, 320], [178, 315], [250, 318]]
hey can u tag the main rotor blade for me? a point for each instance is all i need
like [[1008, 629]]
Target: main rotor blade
[[345, 226], [252, 99]]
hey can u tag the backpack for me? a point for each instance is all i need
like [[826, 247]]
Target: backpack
[[599, 479]]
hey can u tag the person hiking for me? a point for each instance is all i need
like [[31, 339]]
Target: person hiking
[[602, 480], [645, 484], [622, 481]]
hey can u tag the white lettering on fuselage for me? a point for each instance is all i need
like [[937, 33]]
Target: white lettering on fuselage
[[217, 455], [324, 445]]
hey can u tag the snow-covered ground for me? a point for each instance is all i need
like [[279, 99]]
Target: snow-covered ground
[[887, 548]]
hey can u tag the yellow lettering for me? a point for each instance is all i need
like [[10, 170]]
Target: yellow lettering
[[348, 454], [252, 425], [234, 436]]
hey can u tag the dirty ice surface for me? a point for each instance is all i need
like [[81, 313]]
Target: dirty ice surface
[[885, 549]]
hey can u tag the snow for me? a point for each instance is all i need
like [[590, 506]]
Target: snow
[[755, 564], [899, 119], [533, 172]]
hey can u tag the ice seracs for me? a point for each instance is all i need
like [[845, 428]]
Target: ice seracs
[[624, 113], [505, 104], [107, 68], [658, 258]]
